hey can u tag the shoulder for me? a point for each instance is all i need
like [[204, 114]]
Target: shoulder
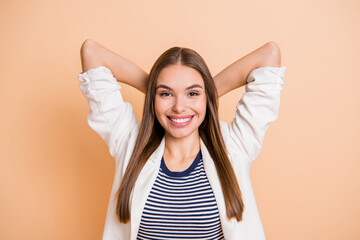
[[225, 132], [224, 126], [236, 154]]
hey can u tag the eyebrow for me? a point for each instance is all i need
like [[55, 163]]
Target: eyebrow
[[190, 87]]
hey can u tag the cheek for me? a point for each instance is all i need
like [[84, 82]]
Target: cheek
[[159, 107], [201, 106]]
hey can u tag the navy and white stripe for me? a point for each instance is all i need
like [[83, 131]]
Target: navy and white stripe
[[181, 205]]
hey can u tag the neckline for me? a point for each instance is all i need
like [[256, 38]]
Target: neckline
[[181, 173]]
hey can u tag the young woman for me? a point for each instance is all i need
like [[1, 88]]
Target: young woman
[[181, 173]]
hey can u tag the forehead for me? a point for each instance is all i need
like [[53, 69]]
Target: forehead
[[179, 76]]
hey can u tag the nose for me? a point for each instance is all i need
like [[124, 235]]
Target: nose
[[179, 105]]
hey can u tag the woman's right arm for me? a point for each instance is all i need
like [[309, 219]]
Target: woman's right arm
[[109, 115], [93, 55]]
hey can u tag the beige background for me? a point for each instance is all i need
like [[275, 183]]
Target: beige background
[[56, 173]]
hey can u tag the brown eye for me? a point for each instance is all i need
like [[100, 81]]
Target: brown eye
[[165, 94], [192, 94]]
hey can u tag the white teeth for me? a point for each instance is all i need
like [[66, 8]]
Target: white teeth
[[180, 120]]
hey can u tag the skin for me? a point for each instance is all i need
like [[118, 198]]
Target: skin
[[178, 152], [180, 94]]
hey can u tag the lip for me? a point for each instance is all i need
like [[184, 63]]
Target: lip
[[180, 124]]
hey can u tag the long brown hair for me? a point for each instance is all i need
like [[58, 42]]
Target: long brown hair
[[151, 134]]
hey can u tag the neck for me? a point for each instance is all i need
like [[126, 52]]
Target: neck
[[182, 148]]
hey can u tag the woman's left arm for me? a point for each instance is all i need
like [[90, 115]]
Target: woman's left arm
[[235, 75], [259, 106]]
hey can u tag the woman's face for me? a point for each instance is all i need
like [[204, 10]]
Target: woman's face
[[180, 101]]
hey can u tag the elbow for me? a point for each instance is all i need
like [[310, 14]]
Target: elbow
[[273, 56], [89, 56], [86, 47]]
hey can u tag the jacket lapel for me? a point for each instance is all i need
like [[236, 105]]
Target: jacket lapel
[[214, 181], [143, 187]]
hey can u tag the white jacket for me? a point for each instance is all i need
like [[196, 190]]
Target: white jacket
[[114, 120]]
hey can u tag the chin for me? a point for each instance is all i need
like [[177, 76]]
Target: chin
[[177, 134]]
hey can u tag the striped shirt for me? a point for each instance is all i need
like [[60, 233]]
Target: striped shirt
[[181, 205]]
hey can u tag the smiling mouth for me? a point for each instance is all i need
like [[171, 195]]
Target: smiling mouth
[[180, 120]]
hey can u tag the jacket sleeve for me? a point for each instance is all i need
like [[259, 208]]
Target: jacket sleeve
[[258, 107], [109, 115]]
